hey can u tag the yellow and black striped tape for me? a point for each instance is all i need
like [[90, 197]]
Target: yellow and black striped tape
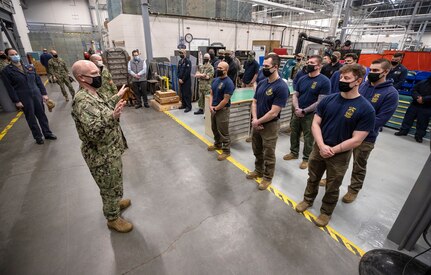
[[328, 229]]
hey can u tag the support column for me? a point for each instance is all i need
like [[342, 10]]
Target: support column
[[347, 10], [147, 31], [335, 18]]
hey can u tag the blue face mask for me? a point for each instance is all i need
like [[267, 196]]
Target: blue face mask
[[136, 58], [16, 58]]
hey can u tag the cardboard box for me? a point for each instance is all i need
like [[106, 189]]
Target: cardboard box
[[161, 94], [158, 107], [167, 100]]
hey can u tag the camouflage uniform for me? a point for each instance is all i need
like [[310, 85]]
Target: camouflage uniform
[[108, 91], [3, 64], [205, 84], [102, 147], [57, 67], [297, 68]]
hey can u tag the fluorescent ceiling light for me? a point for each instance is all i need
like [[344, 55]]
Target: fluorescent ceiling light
[[277, 16], [301, 13], [277, 5], [322, 10], [254, 5], [373, 4]]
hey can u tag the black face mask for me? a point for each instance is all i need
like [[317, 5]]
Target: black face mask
[[344, 86], [374, 77], [97, 82], [220, 73], [55, 55], [181, 56], [212, 55], [221, 57], [298, 59], [394, 63], [311, 68], [334, 59], [267, 72], [206, 61], [227, 58]]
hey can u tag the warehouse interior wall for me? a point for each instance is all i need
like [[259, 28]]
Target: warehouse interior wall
[[166, 33], [21, 25]]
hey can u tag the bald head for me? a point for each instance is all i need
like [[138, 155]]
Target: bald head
[[54, 53], [222, 67], [83, 71], [97, 60]]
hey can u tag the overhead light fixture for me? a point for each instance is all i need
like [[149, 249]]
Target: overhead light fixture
[[373, 4], [278, 5], [322, 10], [277, 16], [301, 13], [254, 5]]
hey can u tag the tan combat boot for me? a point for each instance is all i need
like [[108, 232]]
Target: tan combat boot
[[120, 225], [249, 139], [124, 203], [223, 156], [253, 175], [302, 206], [213, 148], [303, 165], [322, 220], [263, 185], [290, 156], [349, 197]]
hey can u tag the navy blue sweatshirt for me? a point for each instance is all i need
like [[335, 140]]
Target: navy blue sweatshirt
[[384, 98]]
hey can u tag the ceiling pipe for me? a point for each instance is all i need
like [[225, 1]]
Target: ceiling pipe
[[277, 5]]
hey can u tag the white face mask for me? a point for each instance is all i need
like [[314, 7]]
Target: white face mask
[[99, 63]]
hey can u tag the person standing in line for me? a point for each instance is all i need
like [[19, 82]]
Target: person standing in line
[[58, 69], [184, 69], [137, 68], [341, 123], [270, 97], [384, 98], [98, 127], [398, 71], [251, 69], [222, 89], [27, 91], [310, 90], [205, 76]]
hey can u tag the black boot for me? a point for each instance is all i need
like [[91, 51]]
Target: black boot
[[199, 112]]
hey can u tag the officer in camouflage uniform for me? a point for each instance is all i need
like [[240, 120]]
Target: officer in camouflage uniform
[[3, 60], [102, 144], [205, 76], [57, 67]]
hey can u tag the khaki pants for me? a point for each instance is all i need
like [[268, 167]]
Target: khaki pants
[[335, 167], [220, 128], [300, 125], [263, 143], [360, 158], [109, 178]]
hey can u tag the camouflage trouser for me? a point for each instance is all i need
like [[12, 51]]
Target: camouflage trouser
[[264, 142], [298, 125], [360, 157], [109, 178], [64, 80], [203, 93], [335, 167]]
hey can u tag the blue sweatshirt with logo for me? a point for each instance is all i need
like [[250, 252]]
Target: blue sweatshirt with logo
[[384, 98]]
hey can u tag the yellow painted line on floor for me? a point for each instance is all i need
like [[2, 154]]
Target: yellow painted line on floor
[[11, 123], [14, 120], [309, 216]]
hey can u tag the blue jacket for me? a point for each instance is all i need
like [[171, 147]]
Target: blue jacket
[[384, 99], [398, 75], [184, 69], [22, 86], [300, 74], [44, 58]]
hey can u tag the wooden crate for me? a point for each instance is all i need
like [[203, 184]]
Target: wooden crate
[[158, 107], [161, 94], [167, 100]]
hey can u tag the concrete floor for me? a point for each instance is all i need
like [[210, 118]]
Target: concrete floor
[[192, 214]]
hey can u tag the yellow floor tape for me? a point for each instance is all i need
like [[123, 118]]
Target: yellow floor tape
[[329, 230]]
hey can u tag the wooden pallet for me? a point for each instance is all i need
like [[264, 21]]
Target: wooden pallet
[[166, 107], [167, 100], [161, 94]]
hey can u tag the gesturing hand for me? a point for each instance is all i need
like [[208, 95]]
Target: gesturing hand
[[118, 109], [122, 91]]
